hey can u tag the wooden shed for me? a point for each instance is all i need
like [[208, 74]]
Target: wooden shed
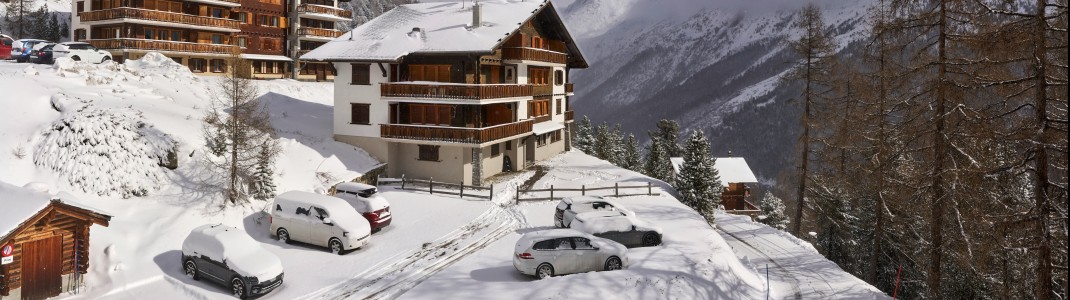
[[50, 239]]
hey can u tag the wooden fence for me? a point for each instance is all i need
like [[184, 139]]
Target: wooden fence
[[616, 188], [445, 188]]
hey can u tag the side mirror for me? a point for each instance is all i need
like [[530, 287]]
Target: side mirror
[[633, 227], [328, 221]]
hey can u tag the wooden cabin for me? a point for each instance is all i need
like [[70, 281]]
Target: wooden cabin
[[50, 237], [735, 176]]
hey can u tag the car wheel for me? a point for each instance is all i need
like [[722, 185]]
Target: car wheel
[[191, 270], [283, 235], [237, 288], [105, 59], [651, 239], [544, 271], [75, 58], [336, 246], [613, 263]]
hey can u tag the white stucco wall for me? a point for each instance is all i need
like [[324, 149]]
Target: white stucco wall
[[346, 93]]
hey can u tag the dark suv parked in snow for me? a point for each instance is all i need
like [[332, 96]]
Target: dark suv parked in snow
[[228, 256]]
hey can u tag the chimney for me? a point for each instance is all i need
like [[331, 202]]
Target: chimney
[[477, 15], [729, 153]]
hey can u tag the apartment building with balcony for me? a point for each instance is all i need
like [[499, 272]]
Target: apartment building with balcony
[[317, 25], [455, 92]]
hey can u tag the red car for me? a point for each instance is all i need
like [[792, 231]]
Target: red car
[[5, 46], [367, 202]]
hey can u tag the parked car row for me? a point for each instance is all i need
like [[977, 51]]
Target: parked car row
[[228, 256], [595, 236], [45, 52]]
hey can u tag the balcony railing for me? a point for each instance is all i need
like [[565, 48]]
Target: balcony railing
[[534, 54], [455, 134], [568, 88], [154, 15], [309, 31], [319, 9], [456, 91], [139, 44], [543, 90], [569, 115], [545, 118]]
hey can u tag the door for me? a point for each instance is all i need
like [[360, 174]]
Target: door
[[568, 260], [42, 265], [590, 259], [321, 232], [301, 222], [321, 73], [529, 151]]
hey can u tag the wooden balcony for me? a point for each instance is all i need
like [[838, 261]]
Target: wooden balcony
[[568, 88], [543, 90], [155, 45], [518, 53], [569, 115], [319, 9], [455, 91], [160, 16], [545, 118], [455, 134], [318, 32]]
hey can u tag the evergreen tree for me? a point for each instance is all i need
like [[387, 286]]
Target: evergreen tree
[[64, 30], [632, 160], [773, 213], [669, 134], [585, 136], [17, 18], [603, 143], [699, 183], [617, 152], [263, 182], [658, 164], [38, 22], [53, 28]]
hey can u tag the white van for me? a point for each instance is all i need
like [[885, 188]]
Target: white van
[[319, 220]]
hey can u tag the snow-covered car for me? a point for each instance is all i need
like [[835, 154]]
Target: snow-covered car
[[553, 252], [42, 53], [619, 227], [79, 51], [366, 200], [20, 49], [228, 256], [318, 220], [569, 207]]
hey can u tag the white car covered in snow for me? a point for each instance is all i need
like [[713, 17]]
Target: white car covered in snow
[[228, 256], [318, 220], [619, 227], [367, 201], [564, 251], [569, 207], [79, 51]]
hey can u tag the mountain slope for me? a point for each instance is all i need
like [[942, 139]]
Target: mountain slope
[[709, 65]]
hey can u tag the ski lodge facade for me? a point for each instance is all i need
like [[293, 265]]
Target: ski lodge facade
[[455, 92]]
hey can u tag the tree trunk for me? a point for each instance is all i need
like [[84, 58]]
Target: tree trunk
[[937, 209], [1044, 287], [801, 193]]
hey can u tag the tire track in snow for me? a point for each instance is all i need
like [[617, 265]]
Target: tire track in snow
[[784, 271]]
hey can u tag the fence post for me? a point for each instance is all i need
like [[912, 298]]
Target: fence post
[[649, 190], [431, 185], [462, 191], [491, 197], [518, 194], [616, 189], [403, 181], [551, 192], [583, 190]]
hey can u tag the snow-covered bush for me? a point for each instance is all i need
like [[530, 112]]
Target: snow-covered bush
[[107, 152]]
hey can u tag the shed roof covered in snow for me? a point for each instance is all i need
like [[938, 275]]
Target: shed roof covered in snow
[[730, 169], [442, 28], [20, 205]]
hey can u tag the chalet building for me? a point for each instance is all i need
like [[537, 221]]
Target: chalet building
[[735, 176], [455, 92], [316, 26], [50, 242]]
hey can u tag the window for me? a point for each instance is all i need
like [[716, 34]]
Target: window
[[176, 36], [361, 74], [149, 33], [81, 6], [240, 41], [564, 244], [555, 136], [321, 213], [301, 211], [538, 75], [558, 107], [79, 34], [219, 66], [582, 243], [436, 73], [508, 145], [495, 150], [428, 153], [545, 245], [536, 42], [217, 12], [434, 114], [198, 65], [540, 140], [559, 77], [360, 113], [538, 108], [177, 60], [270, 44], [217, 39], [269, 21], [509, 74]]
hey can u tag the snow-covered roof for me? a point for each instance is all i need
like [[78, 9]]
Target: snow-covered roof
[[19, 204], [444, 27], [353, 186], [545, 127], [730, 169], [552, 233], [265, 57], [581, 199], [341, 213]]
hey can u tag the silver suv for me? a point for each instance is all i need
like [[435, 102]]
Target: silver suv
[[564, 251]]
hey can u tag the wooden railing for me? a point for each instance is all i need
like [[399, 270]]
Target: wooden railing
[[456, 91], [534, 54], [569, 115], [317, 9], [568, 88], [545, 118], [154, 15], [161, 46], [454, 134], [543, 90], [331, 33]]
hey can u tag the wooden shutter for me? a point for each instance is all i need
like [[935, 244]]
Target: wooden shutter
[[442, 73], [416, 73], [360, 74], [394, 113], [360, 113]]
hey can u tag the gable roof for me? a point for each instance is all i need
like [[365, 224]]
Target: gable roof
[[22, 206], [446, 28], [730, 169]]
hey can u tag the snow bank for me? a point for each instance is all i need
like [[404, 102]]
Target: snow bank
[[105, 151], [154, 63]]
